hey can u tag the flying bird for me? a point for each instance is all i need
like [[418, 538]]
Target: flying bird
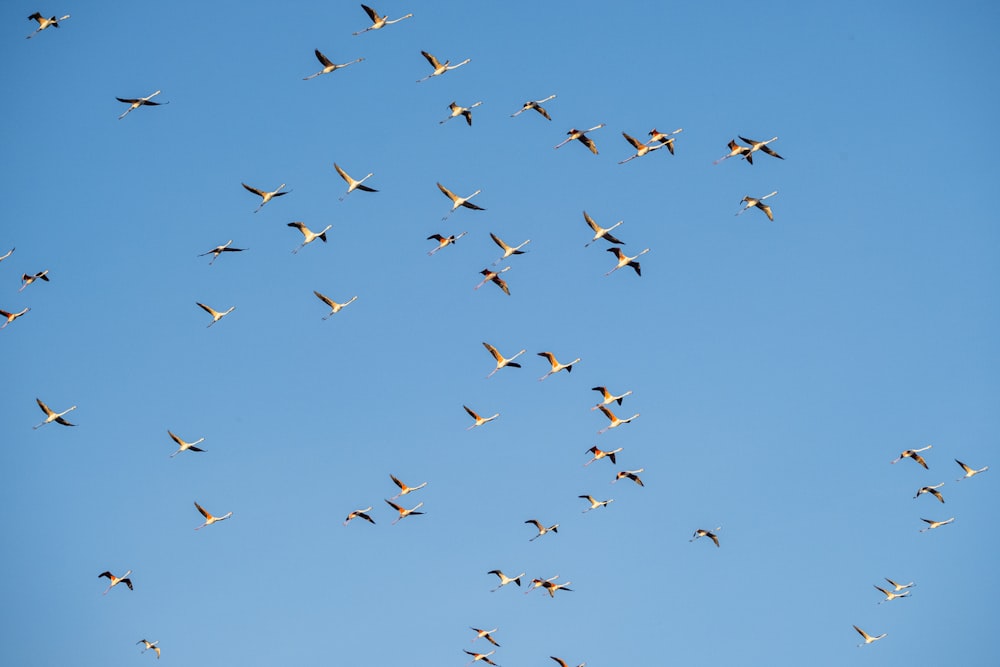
[[209, 518], [538, 583], [755, 146], [899, 587], [913, 454], [701, 532], [44, 23], [485, 634], [458, 110], [444, 241], [10, 317], [494, 276], [891, 595], [601, 232], [736, 150], [868, 638], [542, 529], [334, 306], [501, 360], [551, 587], [184, 446], [969, 472], [933, 490], [136, 102], [457, 201], [328, 65], [507, 250], [931, 525], [581, 136], [266, 196], [378, 22], [759, 203], [615, 421], [360, 514], [537, 106], [665, 138], [51, 416], [309, 234], [640, 148], [562, 663], [504, 579], [218, 250], [403, 488], [403, 512], [9, 253], [625, 260], [353, 184], [555, 365], [608, 398], [150, 645], [479, 420], [216, 315], [28, 279], [485, 657], [600, 454], [116, 580], [439, 67], [631, 474], [594, 504]]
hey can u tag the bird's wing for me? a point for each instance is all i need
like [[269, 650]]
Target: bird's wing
[[208, 310], [448, 193], [431, 59], [469, 204], [372, 14], [44, 407], [499, 242], [365, 188], [502, 284], [323, 59], [471, 412], [632, 140], [127, 100], [771, 152], [203, 511], [325, 299], [542, 111], [589, 143], [257, 192], [613, 239]]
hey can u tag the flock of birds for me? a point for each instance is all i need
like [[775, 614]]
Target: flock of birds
[[658, 140]]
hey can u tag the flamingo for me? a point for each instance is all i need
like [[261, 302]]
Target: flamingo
[[504, 579], [759, 203], [537, 106], [701, 532], [615, 421], [378, 22], [116, 580], [665, 138], [44, 23], [891, 595], [309, 234], [479, 420], [485, 634], [51, 416], [216, 315], [601, 232], [444, 241], [360, 514], [439, 67], [10, 317], [457, 201], [913, 454], [931, 525], [631, 474], [266, 196], [403, 512], [556, 366], [899, 587], [9, 253], [551, 587], [485, 657], [594, 504], [218, 250], [136, 102], [933, 490], [334, 306], [600, 454], [625, 260], [457, 110], [760, 146], [538, 583], [353, 184], [328, 65], [868, 638], [27, 280], [209, 518], [640, 148], [581, 136], [734, 150], [507, 250], [184, 446], [969, 472], [403, 488], [494, 276], [562, 663], [608, 397], [501, 360], [554, 528], [150, 645]]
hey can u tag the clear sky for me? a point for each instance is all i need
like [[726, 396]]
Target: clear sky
[[777, 367]]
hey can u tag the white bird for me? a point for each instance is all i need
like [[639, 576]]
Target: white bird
[[933, 490], [136, 102], [209, 518], [538, 583], [601, 232], [403, 488], [216, 315], [504, 579], [631, 474], [554, 528], [507, 250], [403, 512], [555, 365], [759, 146], [458, 110], [759, 203], [309, 234], [10, 317], [599, 454], [116, 580], [328, 65], [51, 416], [615, 421], [266, 196], [625, 260], [218, 250], [608, 398], [665, 138], [734, 150], [551, 587], [494, 277], [868, 638], [485, 657], [536, 105], [9, 253], [334, 306], [439, 67], [150, 645], [969, 472], [640, 148], [891, 595], [28, 279], [360, 514], [378, 22], [184, 446], [501, 360], [444, 241], [562, 663], [479, 420], [594, 504], [931, 525], [915, 455], [353, 184], [899, 587], [701, 532], [485, 634], [457, 201], [581, 136], [44, 23]]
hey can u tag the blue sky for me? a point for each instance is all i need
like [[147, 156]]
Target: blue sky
[[778, 367]]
